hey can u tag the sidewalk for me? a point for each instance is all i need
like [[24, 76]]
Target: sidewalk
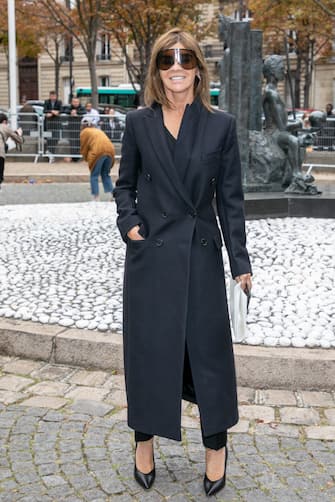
[[43, 172], [64, 437], [61, 172]]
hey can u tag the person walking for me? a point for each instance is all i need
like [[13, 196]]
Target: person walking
[[99, 152], [5, 133], [178, 154]]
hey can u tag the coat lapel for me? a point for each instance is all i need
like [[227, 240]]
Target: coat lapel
[[189, 137], [175, 168]]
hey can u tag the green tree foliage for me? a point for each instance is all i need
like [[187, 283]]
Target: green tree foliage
[[138, 23], [27, 33], [135, 22], [306, 28]]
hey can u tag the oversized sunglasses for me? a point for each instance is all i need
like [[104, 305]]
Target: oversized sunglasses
[[168, 57]]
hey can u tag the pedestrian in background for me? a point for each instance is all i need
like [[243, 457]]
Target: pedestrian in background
[[329, 110], [75, 108], [5, 133], [76, 111], [92, 113], [98, 151], [52, 109], [179, 153], [112, 125], [52, 106]]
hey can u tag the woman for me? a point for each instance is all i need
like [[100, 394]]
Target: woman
[[177, 154], [5, 133]]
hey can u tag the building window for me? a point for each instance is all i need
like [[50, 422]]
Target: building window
[[104, 81], [104, 48]]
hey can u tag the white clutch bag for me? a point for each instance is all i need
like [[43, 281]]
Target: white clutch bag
[[238, 306], [11, 145]]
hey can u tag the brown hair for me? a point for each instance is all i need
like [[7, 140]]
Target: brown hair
[[154, 90]]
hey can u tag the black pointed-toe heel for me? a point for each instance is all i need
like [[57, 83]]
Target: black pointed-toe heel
[[144, 480], [213, 487]]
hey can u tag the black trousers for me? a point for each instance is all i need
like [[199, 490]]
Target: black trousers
[[2, 168], [214, 442]]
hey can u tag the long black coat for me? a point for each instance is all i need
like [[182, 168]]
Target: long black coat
[[174, 286]]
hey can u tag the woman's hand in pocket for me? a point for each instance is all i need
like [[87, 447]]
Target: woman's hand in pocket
[[133, 234]]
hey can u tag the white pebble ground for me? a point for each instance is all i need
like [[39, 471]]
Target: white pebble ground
[[63, 264]]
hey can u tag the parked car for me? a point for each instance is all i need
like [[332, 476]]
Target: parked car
[[37, 108]]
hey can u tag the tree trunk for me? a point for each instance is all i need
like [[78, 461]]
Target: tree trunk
[[91, 59], [93, 77], [57, 69], [297, 80], [309, 72]]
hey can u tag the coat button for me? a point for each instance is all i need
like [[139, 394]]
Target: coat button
[[148, 176], [194, 214], [204, 242], [163, 214], [159, 242], [213, 181]]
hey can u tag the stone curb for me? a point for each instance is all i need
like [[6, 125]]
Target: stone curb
[[257, 367], [53, 343], [46, 178]]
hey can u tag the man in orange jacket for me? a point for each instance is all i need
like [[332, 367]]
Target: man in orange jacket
[[99, 152]]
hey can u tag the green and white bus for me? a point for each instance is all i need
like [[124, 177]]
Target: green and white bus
[[125, 96]]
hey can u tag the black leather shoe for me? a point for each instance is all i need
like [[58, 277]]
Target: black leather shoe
[[213, 487], [144, 480]]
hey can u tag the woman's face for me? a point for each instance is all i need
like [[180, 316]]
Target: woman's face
[[177, 79]]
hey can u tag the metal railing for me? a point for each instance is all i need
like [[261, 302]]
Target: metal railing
[[58, 137], [325, 137]]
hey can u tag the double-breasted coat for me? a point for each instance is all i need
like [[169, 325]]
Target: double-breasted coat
[[177, 340]]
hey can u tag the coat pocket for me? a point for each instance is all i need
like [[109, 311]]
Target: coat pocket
[[139, 243], [142, 231]]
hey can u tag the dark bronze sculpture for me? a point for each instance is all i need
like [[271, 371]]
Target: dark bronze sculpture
[[271, 157], [224, 37], [282, 133]]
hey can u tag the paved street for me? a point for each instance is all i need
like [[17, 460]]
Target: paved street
[[64, 438], [42, 193]]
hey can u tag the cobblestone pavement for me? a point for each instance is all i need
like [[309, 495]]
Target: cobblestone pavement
[[64, 438]]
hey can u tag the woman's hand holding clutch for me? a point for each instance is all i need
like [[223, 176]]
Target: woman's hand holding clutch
[[245, 282]]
